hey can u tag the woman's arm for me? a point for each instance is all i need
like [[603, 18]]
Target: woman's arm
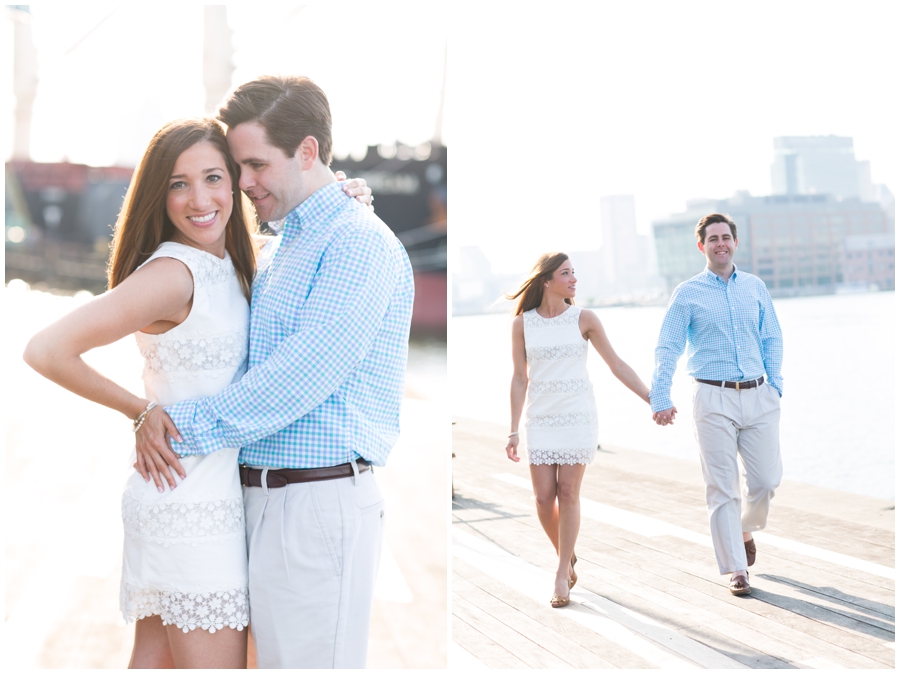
[[518, 386], [157, 295], [593, 330]]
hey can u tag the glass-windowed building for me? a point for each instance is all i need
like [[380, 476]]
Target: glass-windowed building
[[795, 243]]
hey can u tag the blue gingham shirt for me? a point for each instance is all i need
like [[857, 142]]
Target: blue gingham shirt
[[731, 330], [329, 334]]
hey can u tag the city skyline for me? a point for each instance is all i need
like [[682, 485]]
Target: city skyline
[[820, 196]]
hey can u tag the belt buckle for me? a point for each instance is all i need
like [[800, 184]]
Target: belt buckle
[[737, 386]]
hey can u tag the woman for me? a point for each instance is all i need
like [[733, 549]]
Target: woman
[[549, 342], [180, 273]]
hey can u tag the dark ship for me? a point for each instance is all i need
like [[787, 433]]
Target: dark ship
[[59, 221]]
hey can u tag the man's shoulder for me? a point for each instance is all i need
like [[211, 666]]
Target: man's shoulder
[[747, 277], [354, 218], [695, 282]]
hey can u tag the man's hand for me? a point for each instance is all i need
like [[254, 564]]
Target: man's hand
[[154, 453], [512, 448], [356, 188], [665, 417]]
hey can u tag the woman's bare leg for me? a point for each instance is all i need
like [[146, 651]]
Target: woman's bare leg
[[198, 649], [151, 645], [543, 481], [251, 650], [568, 494]]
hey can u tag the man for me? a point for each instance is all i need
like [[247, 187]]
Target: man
[[320, 402], [733, 337]]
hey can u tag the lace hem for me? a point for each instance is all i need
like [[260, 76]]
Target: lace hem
[[166, 523], [561, 352], [532, 319], [568, 457], [555, 386], [210, 611]]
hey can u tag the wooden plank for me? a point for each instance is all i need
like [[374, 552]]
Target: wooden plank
[[511, 614], [526, 650], [482, 647], [805, 612], [773, 628], [718, 602]]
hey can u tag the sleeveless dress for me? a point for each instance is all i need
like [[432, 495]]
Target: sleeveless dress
[[560, 412], [185, 556]]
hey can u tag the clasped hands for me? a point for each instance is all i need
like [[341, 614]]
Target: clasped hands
[[665, 417]]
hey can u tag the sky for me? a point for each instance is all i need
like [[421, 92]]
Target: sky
[[110, 74], [666, 101], [547, 107]]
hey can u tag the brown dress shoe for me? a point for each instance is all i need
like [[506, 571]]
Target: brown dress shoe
[[750, 547], [739, 585]]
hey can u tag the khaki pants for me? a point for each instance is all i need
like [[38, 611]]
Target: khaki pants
[[313, 552], [729, 423]]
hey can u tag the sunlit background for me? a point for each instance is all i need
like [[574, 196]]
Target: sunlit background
[[665, 102], [109, 74], [86, 87], [606, 130]]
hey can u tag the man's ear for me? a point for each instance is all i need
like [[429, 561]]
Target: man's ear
[[700, 247], [307, 152]]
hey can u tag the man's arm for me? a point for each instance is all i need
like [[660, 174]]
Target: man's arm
[[341, 317], [772, 344], [669, 348]]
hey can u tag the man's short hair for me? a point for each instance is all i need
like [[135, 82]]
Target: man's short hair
[[712, 218], [288, 108]]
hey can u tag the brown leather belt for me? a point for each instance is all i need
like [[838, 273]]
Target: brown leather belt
[[252, 477], [739, 385]]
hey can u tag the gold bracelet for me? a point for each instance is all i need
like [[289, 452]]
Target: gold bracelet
[[137, 423]]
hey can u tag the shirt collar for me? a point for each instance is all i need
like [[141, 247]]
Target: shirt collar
[[711, 275], [315, 208]]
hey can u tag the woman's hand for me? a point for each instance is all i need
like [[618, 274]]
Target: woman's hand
[[512, 446], [356, 188], [154, 455], [665, 417]]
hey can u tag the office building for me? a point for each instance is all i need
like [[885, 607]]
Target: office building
[[797, 244]]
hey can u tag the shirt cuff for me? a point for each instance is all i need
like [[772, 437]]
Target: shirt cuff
[[660, 400], [777, 383], [196, 422]]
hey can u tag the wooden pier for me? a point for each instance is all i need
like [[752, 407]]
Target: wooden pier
[[648, 593]]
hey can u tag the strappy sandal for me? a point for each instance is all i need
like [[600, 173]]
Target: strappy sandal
[[574, 578], [559, 602]]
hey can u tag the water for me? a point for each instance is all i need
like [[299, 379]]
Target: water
[[837, 422]]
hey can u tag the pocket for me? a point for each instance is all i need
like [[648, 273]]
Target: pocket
[[368, 495], [700, 400], [330, 524]]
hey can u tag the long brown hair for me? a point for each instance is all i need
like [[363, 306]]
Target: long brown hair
[[143, 223], [531, 292]]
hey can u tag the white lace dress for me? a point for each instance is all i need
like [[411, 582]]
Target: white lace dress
[[185, 554], [560, 412]]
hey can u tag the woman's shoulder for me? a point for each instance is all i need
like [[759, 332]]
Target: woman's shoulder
[[175, 250], [205, 268]]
